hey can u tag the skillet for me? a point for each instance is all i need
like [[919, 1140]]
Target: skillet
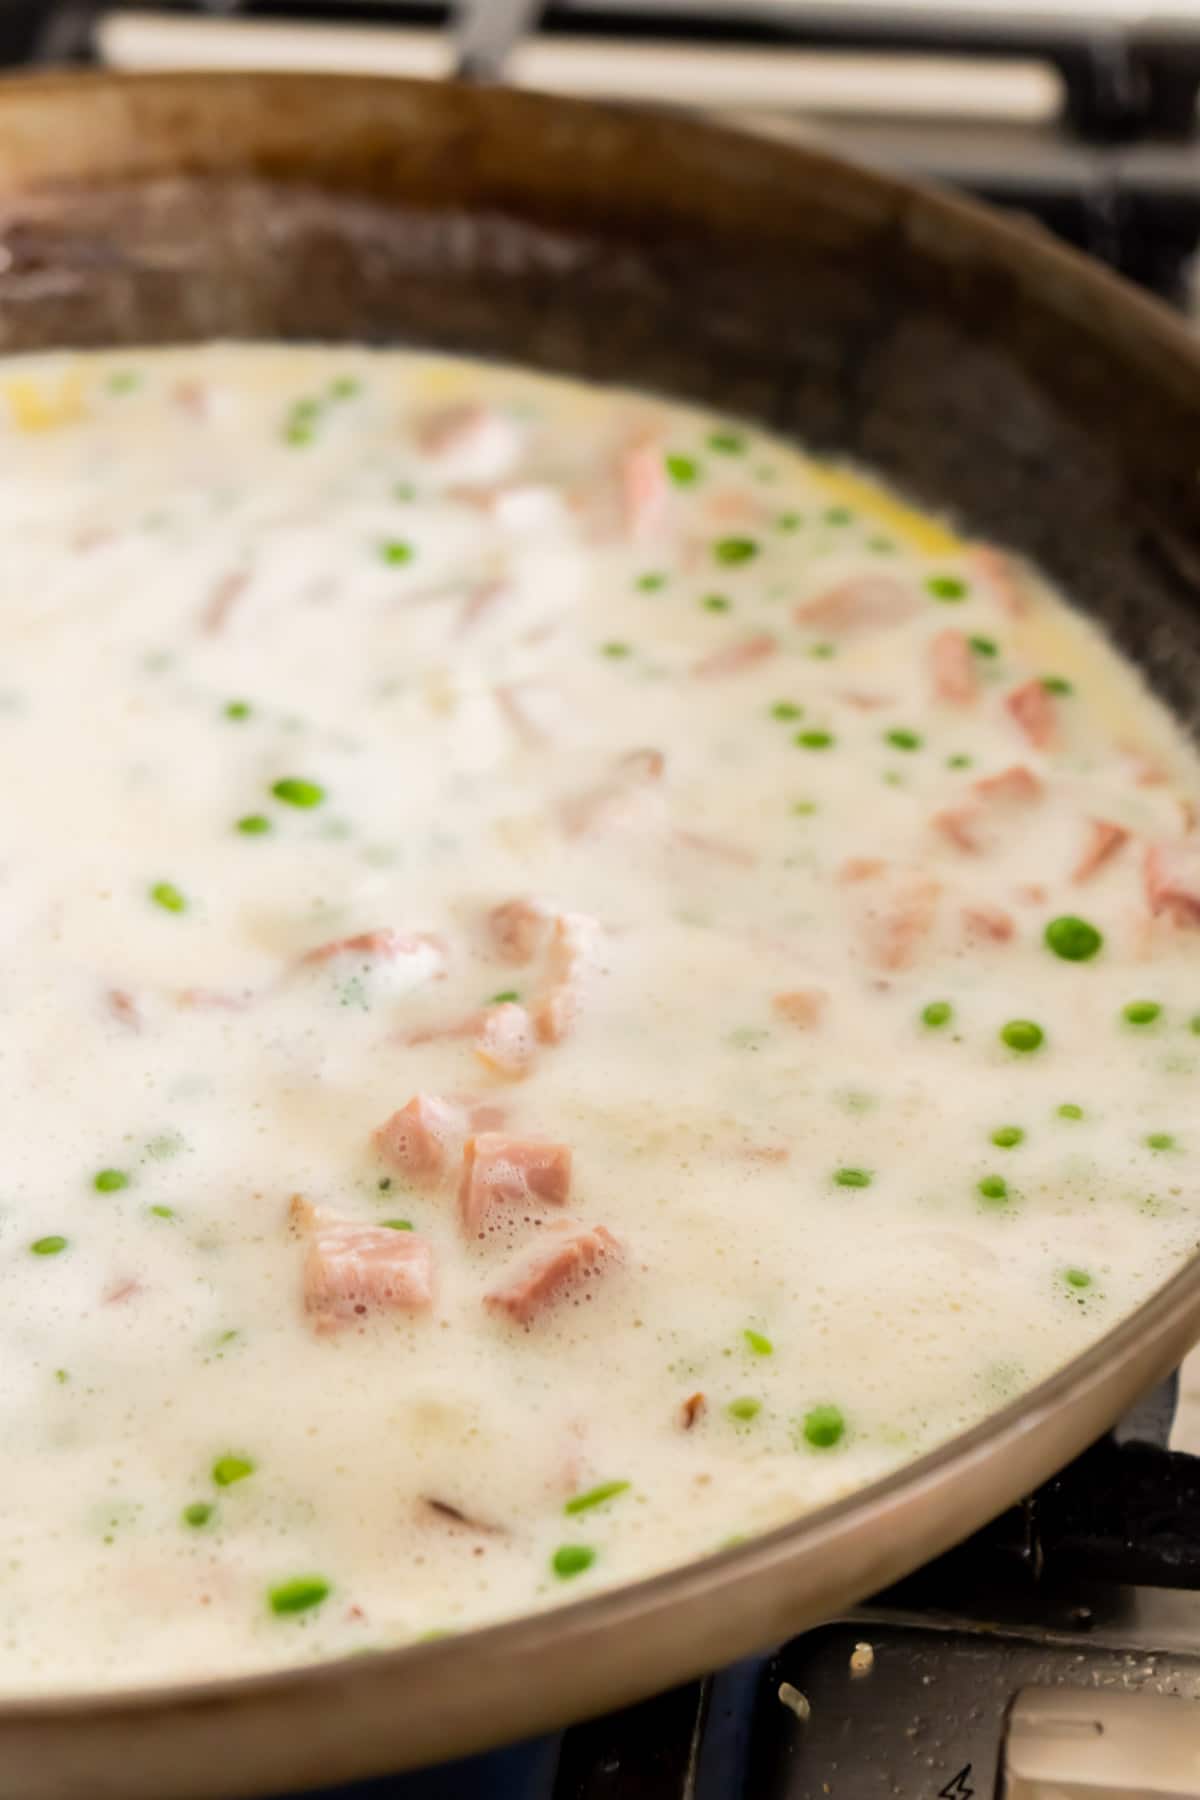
[[987, 372]]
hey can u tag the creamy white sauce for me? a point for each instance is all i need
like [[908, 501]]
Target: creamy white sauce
[[456, 628]]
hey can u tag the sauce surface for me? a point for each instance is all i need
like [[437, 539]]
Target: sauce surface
[[574, 983]]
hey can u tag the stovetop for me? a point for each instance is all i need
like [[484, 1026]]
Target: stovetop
[[1051, 1657]]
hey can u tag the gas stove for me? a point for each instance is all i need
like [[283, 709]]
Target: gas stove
[[1052, 1656]]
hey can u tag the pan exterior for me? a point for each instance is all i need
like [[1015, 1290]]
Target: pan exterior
[[989, 373]]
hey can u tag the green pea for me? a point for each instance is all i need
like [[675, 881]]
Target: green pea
[[396, 552], [1141, 1012], [985, 646], [683, 470], [198, 1513], [228, 1469], [1022, 1035], [786, 709], [959, 761], [716, 603], [253, 824], [607, 1490], [164, 894], [824, 1426], [238, 710], [814, 740], [993, 1187], [1057, 684], [293, 790], [397, 1224], [789, 521], [838, 515], [726, 443], [900, 738], [1073, 939], [1194, 1025], [1077, 1278], [852, 1178], [616, 650], [48, 1246], [1007, 1137], [1068, 1110], [744, 1409], [344, 387], [298, 1595], [109, 1181], [760, 1345], [650, 582], [735, 550], [1160, 1140], [162, 1212], [937, 1014], [822, 652], [946, 587], [572, 1559]]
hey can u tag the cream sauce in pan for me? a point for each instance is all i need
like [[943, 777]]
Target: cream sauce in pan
[[573, 983]]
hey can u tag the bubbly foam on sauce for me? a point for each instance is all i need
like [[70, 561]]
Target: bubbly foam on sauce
[[876, 1095]]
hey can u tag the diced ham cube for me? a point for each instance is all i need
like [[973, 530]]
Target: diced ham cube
[[352, 1270], [734, 659], [895, 928], [952, 666], [959, 825], [568, 1256], [516, 930], [1033, 708], [804, 1007], [574, 946], [644, 487], [987, 924], [499, 1170], [864, 603], [1171, 873], [415, 1140], [861, 868], [506, 1041], [1018, 785], [1103, 841]]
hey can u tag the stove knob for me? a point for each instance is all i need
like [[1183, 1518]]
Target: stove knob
[[1064, 1743]]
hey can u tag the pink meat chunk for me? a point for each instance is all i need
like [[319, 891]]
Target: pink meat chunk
[[502, 1170], [572, 953], [516, 930], [384, 945], [804, 1007], [987, 924], [568, 1256], [734, 659], [952, 666], [1171, 873], [1017, 785], [865, 603], [1103, 841], [353, 1270], [645, 489], [414, 1141], [1034, 710], [507, 1041]]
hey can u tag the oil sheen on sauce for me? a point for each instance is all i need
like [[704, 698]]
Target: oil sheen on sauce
[[574, 983]]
